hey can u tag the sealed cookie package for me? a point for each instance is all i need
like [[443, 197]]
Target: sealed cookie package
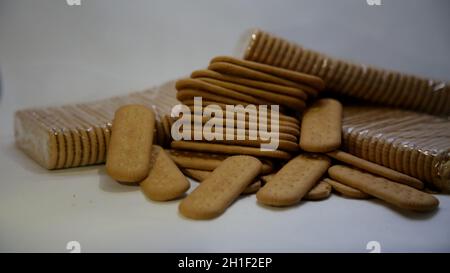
[[372, 84], [77, 135], [412, 143]]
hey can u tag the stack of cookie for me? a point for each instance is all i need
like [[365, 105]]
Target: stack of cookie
[[369, 83], [230, 81], [234, 81]]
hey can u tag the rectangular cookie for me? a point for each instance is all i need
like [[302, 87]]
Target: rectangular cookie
[[215, 194]]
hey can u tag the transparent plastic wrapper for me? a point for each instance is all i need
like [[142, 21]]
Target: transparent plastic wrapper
[[78, 134], [383, 87], [409, 142]]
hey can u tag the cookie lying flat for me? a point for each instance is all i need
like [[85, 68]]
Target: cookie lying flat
[[128, 158], [346, 190], [199, 176], [320, 191], [321, 126], [274, 88], [294, 180], [189, 94], [376, 169], [283, 145], [273, 98], [207, 161], [244, 72], [194, 84], [215, 194], [394, 193], [164, 181], [282, 117], [227, 149]]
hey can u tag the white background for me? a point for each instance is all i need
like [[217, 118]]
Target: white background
[[51, 53]]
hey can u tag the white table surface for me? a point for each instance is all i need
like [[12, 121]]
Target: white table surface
[[51, 53]]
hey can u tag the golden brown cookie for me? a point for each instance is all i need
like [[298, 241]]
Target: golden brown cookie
[[164, 181], [294, 180], [131, 141], [215, 194]]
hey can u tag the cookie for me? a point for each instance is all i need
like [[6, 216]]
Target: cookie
[[399, 195], [190, 94], [294, 180], [267, 74], [166, 129], [228, 149], [267, 86], [160, 134], [131, 141], [320, 191], [202, 175], [207, 161], [321, 126], [198, 175], [195, 84], [347, 191], [164, 181], [216, 193], [283, 145], [273, 98]]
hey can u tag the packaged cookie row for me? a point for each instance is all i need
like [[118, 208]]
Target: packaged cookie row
[[78, 134], [372, 84]]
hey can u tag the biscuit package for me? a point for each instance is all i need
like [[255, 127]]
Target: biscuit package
[[78, 134], [372, 84]]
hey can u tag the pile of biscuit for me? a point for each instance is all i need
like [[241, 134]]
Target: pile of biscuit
[[226, 170], [230, 81]]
